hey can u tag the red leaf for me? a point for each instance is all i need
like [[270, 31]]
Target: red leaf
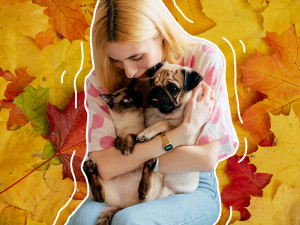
[[68, 133], [245, 182], [18, 83]]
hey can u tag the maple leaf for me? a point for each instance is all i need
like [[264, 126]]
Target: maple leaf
[[192, 9], [282, 209], [66, 17], [45, 38], [245, 182], [87, 9], [16, 86], [33, 103], [286, 14], [277, 76], [68, 133]]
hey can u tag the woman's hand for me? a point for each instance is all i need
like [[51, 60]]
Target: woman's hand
[[199, 109]]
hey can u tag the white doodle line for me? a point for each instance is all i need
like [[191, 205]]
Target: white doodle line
[[74, 191], [244, 48], [230, 215], [81, 65], [235, 88], [245, 153], [182, 12], [62, 77]]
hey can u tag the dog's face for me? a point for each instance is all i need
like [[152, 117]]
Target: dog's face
[[169, 86]]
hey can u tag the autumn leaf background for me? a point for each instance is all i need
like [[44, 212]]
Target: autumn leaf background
[[41, 43]]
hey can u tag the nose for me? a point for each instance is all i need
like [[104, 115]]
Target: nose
[[130, 69]]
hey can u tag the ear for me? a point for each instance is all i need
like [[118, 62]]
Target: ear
[[153, 70], [109, 99], [191, 79], [132, 83]]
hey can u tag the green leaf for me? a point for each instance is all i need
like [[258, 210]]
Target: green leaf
[[34, 104]]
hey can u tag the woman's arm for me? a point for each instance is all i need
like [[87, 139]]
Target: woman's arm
[[190, 158], [112, 163]]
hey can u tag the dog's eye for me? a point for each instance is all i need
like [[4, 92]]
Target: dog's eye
[[172, 88], [127, 100]]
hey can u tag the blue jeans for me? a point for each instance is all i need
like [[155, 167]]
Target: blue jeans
[[202, 207]]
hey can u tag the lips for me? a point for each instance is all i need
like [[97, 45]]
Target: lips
[[142, 76]]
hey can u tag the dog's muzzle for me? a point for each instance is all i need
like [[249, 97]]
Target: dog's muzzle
[[159, 99]]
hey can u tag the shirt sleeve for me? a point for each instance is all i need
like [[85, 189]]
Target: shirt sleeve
[[209, 61], [100, 127]]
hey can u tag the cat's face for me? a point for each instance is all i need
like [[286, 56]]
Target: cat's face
[[124, 100]]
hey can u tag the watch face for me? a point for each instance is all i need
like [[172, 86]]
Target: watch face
[[168, 147]]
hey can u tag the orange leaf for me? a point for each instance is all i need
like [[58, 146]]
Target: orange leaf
[[45, 38], [277, 76], [18, 83], [16, 118], [66, 18]]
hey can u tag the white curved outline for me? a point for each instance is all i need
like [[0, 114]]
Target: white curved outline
[[81, 65], [244, 48], [62, 77], [235, 88], [74, 191], [230, 215], [245, 153], [191, 21]]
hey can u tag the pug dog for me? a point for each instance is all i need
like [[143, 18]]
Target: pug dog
[[170, 90]]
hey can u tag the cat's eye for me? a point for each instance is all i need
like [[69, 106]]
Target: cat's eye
[[172, 88], [127, 100]]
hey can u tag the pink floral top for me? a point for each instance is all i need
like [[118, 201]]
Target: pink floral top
[[205, 58]]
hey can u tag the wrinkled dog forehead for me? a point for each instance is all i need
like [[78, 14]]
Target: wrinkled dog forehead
[[170, 72]]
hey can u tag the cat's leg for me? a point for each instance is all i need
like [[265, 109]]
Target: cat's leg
[[150, 132], [145, 182], [125, 145], [91, 172], [106, 215]]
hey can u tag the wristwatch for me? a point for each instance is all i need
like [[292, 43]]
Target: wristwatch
[[167, 146]]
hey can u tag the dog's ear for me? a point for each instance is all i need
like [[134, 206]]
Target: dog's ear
[[109, 99], [153, 70], [191, 79]]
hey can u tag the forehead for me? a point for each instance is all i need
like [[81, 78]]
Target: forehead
[[124, 50]]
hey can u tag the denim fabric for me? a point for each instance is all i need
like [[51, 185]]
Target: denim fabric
[[197, 208]]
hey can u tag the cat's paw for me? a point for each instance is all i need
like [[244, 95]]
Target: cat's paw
[[90, 168], [125, 145]]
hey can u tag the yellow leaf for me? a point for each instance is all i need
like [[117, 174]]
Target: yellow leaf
[[87, 9], [24, 18], [259, 5], [235, 20], [283, 209], [284, 157], [194, 20], [13, 216], [286, 13], [31, 222], [64, 56], [6, 3], [8, 51]]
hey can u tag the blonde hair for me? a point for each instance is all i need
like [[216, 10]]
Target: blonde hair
[[132, 21]]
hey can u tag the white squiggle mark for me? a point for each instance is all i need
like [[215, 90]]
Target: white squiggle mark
[[244, 48], [74, 191], [62, 77], [182, 12], [230, 215], [75, 88], [235, 88], [245, 153]]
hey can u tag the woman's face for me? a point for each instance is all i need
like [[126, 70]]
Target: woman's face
[[136, 59]]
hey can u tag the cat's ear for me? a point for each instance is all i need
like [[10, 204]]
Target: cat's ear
[[109, 99]]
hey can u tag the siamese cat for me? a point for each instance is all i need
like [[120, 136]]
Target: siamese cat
[[126, 110]]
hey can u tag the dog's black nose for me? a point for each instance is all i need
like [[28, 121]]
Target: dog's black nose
[[159, 99]]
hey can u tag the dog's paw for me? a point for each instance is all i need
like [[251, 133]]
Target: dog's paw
[[90, 168], [146, 135]]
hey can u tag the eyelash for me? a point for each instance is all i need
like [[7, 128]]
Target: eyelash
[[138, 58]]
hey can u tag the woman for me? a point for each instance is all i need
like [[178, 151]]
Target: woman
[[128, 38]]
